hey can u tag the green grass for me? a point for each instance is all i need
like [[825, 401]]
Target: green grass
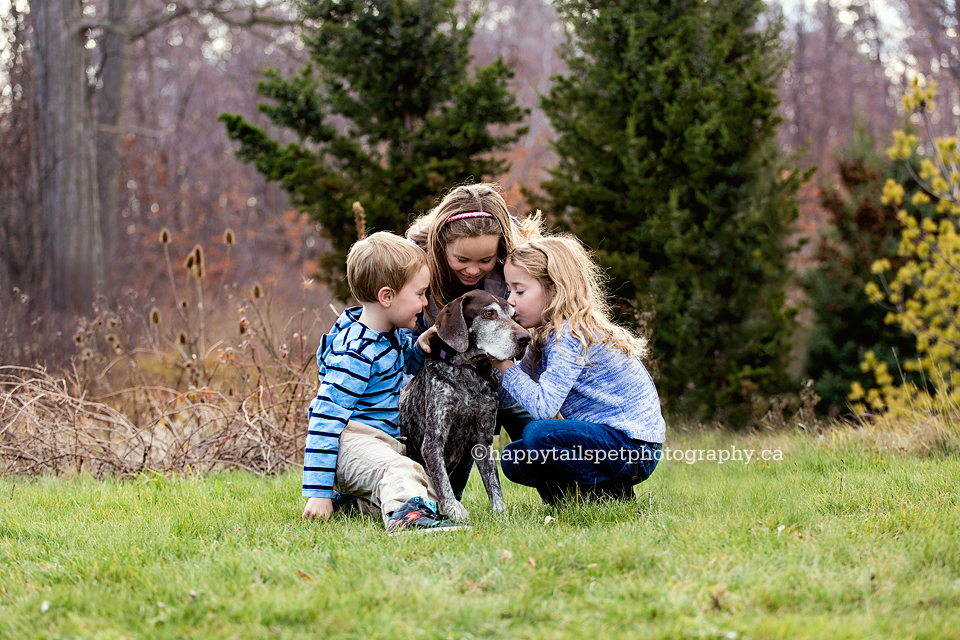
[[835, 541]]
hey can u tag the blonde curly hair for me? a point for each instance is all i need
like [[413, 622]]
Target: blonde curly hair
[[580, 299]]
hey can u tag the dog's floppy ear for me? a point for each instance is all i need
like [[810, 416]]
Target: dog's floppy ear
[[452, 327]]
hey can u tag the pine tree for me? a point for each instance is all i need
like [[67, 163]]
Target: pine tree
[[386, 114], [863, 230], [668, 169]]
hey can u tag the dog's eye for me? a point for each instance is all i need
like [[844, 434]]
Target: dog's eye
[[489, 313]]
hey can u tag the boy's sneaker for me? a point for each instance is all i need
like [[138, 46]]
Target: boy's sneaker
[[417, 516]]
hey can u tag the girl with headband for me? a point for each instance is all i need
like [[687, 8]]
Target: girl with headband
[[467, 238]]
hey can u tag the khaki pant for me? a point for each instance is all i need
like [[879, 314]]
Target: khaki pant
[[372, 465]]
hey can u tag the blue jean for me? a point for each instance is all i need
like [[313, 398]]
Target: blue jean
[[513, 419], [555, 456]]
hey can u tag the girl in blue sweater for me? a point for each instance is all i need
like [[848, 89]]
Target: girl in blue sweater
[[597, 426]]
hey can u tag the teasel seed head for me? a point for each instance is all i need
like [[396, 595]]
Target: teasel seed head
[[257, 291], [189, 262], [165, 236], [184, 304], [360, 220], [155, 316], [182, 339], [198, 256], [228, 237]]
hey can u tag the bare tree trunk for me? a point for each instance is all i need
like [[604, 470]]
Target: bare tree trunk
[[800, 68], [68, 188], [21, 221], [829, 94], [111, 116]]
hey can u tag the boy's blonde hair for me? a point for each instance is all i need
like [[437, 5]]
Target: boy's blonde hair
[[434, 230], [580, 297], [382, 260]]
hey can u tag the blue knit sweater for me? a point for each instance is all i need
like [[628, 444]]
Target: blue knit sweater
[[613, 390]]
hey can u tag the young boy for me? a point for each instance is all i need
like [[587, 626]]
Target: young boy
[[351, 443]]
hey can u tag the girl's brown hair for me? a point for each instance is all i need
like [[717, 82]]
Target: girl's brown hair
[[562, 264], [434, 230]]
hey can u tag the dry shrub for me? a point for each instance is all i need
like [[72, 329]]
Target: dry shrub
[[140, 400], [167, 387], [923, 433], [799, 410], [45, 428], [48, 429]]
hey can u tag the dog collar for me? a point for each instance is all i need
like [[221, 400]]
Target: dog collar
[[447, 356]]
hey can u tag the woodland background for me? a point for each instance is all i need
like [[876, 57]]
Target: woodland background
[[171, 192]]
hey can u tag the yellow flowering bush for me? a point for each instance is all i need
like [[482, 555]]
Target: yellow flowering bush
[[923, 294]]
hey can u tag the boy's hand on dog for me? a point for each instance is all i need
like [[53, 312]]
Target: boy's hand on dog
[[424, 339], [318, 508]]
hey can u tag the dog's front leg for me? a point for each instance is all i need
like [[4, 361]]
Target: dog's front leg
[[433, 462], [434, 443], [487, 466]]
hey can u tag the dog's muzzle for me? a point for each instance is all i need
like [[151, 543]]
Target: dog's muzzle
[[522, 341]]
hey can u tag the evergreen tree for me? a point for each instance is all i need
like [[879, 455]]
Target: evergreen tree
[[863, 230], [386, 114], [668, 169]]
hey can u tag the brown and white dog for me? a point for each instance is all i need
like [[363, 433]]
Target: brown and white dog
[[450, 407]]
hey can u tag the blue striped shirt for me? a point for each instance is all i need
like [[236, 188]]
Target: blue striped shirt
[[613, 390], [361, 374]]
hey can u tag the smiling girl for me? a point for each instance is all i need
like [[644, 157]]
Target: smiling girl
[[467, 238], [583, 367]]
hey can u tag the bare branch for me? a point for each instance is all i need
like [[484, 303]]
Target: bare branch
[[156, 21], [109, 25], [256, 16], [137, 131], [224, 11]]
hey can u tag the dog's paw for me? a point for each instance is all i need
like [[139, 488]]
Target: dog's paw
[[456, 511]]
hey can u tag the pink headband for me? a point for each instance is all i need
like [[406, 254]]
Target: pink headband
[[470, 214]]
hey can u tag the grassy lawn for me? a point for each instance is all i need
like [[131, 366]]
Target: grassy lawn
[[834, 541]]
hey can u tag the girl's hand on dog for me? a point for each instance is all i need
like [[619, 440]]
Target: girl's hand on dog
[[424, 340], [318, 508], [502, 365]]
